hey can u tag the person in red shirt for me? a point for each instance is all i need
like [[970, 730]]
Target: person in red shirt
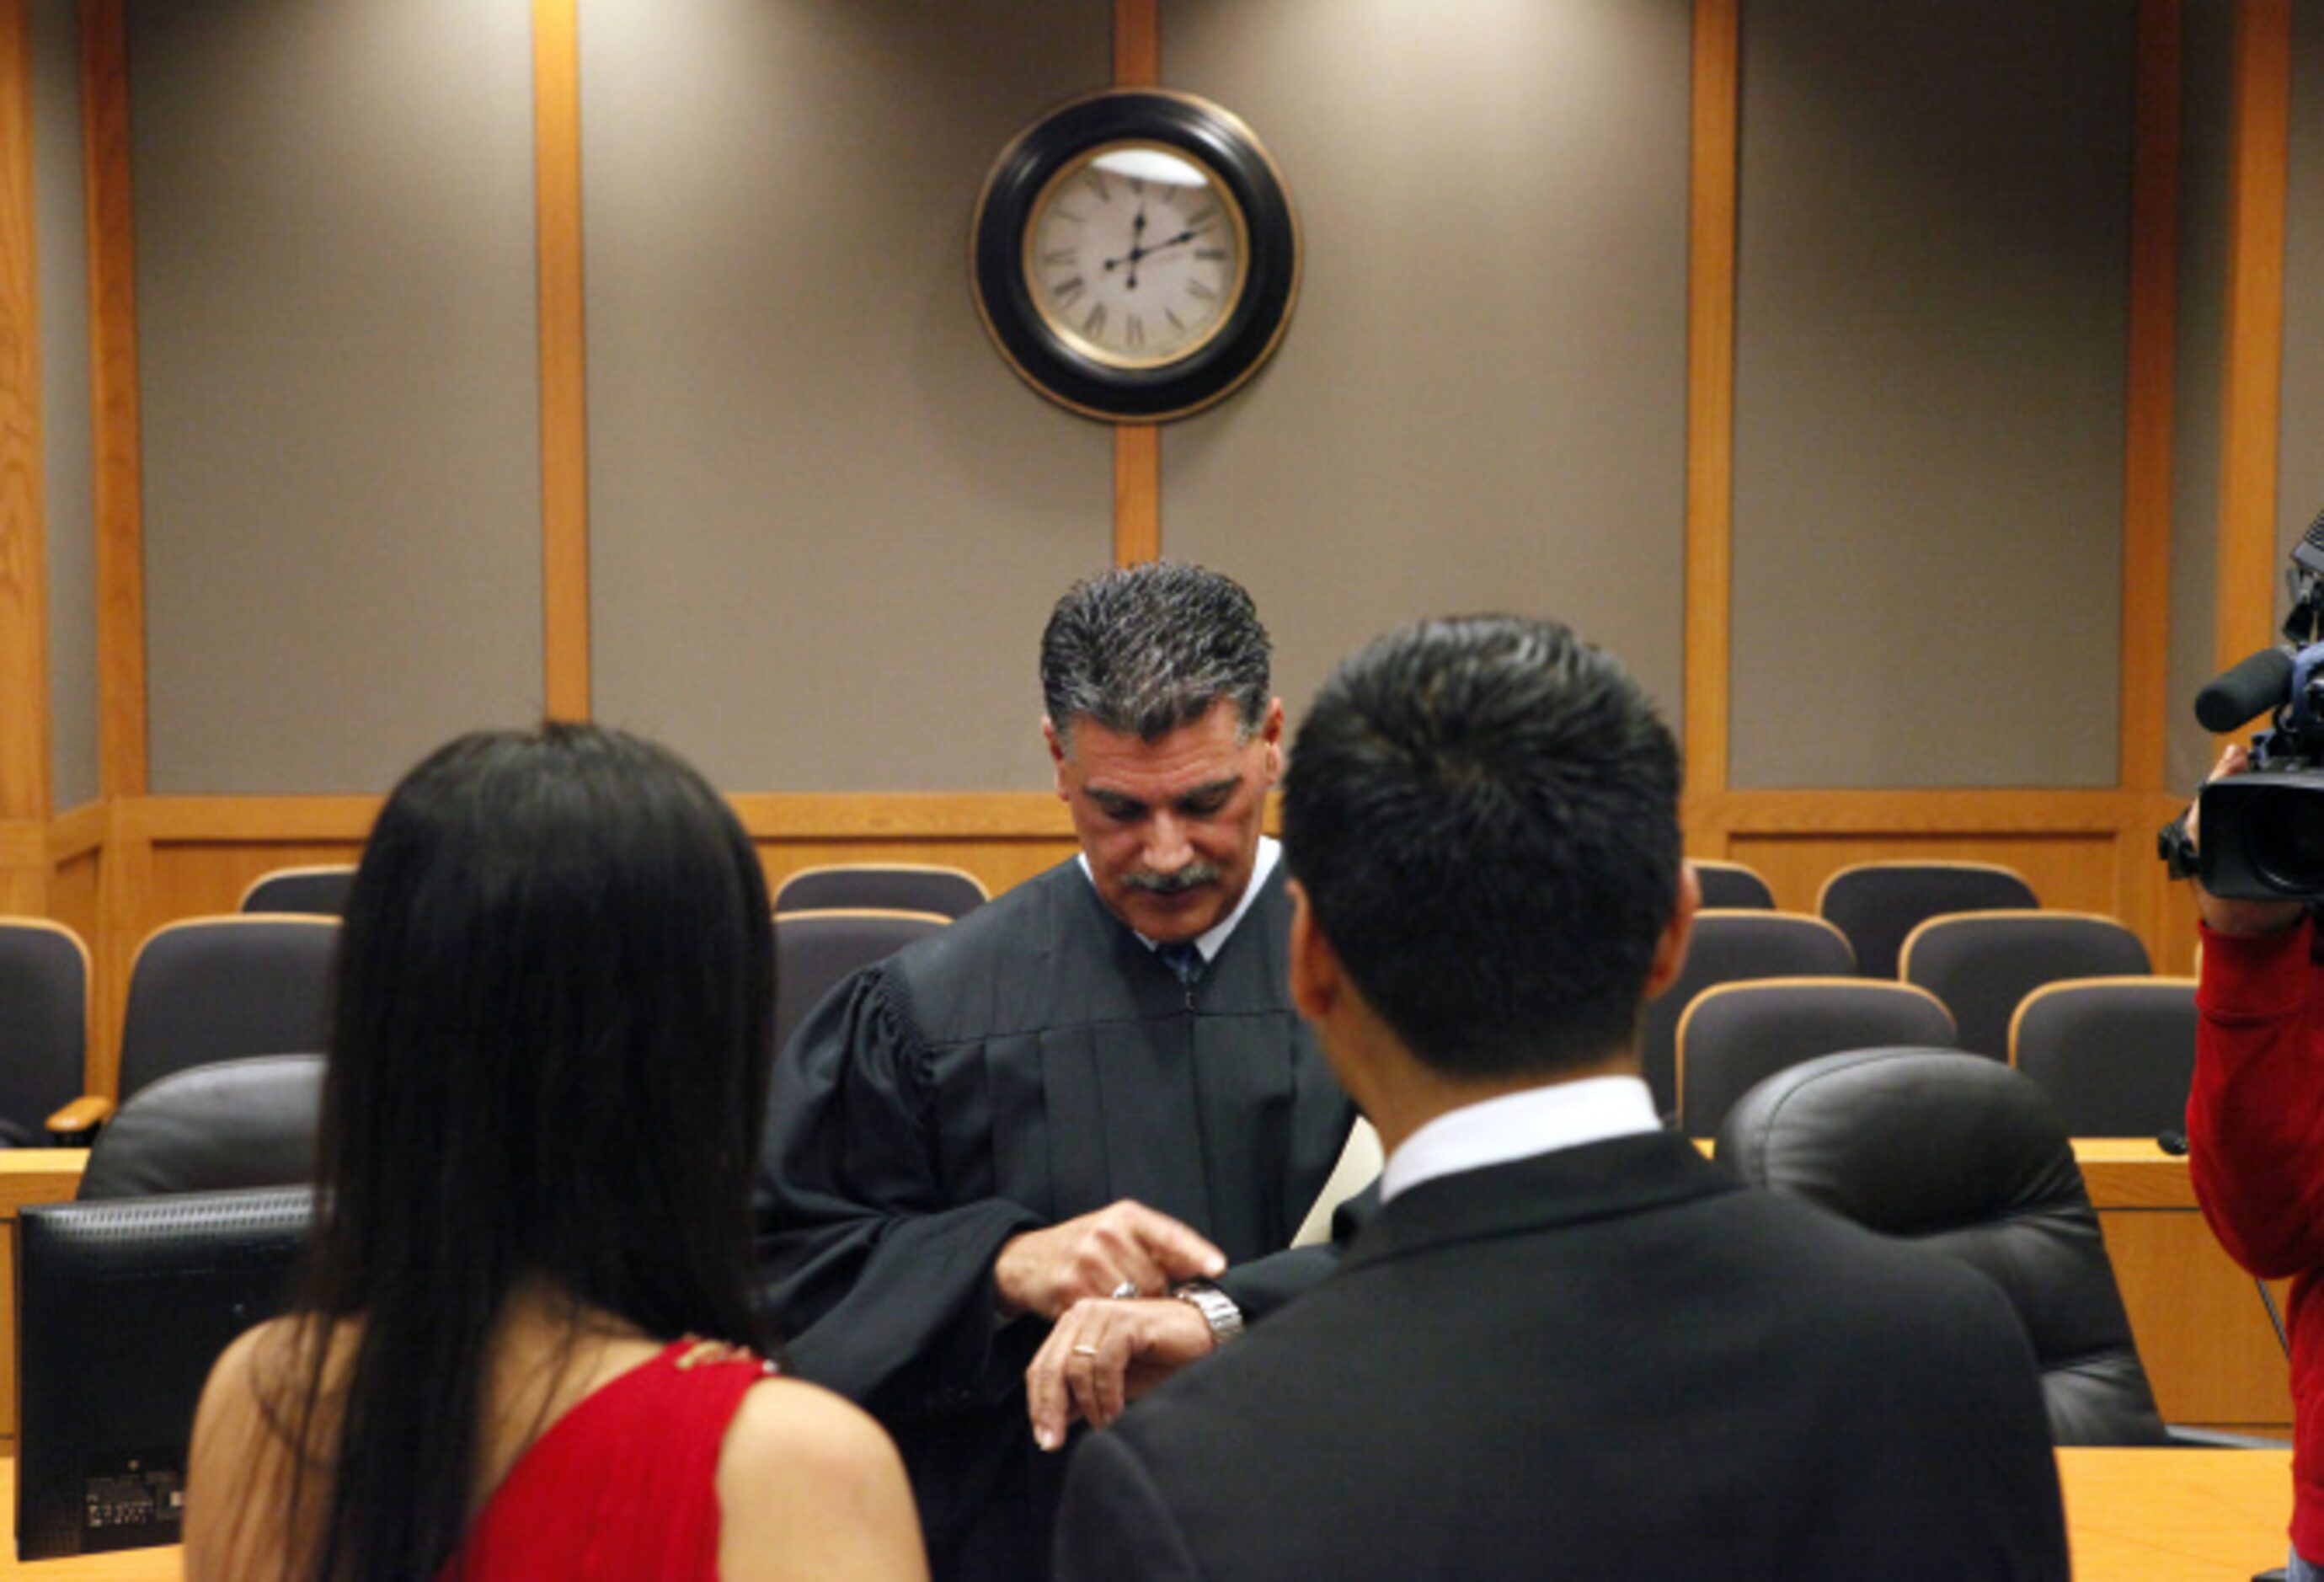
[[2255, 1139]]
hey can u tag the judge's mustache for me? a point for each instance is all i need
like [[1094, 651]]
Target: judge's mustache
[[1177, 883]]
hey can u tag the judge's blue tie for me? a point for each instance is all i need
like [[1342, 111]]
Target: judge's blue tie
[[1183, 958]]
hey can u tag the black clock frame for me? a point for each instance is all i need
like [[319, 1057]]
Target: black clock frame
[[1206, 132]]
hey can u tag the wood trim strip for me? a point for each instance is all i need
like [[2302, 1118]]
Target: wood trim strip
[[1966, 812], [116, 445], [77, 833], [1136, 492], [1711, 206], [2254, 356], [25, 783], [1137, 447], [564, 383], [23, 844], [2148, 410]]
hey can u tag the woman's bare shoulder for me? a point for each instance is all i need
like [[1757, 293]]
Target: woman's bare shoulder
[[239, 1470], [808, 1485]]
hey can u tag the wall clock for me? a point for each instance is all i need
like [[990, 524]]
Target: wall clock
[[1135, 255]]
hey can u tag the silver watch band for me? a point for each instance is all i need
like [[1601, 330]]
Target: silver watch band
[[1218, 1308]]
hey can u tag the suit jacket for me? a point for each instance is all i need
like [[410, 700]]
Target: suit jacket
[[1608, 1361]]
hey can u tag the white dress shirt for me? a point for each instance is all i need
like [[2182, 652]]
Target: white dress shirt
[[1518, 1126]]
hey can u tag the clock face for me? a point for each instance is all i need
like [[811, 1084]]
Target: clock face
[[1135, 255]]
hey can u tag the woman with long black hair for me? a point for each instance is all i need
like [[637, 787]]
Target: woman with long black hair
[[525, 1345]]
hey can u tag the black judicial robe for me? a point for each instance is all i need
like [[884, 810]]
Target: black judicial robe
[[1032, 1062]]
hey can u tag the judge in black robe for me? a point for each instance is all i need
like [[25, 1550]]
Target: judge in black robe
[[1033, 1063]]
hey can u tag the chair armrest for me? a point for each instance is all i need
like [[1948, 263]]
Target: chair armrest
[[73, 1126], [2187, 1439]]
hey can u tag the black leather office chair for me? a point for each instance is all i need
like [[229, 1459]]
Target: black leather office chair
[[223, 988], [44, 1025], [1735, 1035], [952, 892], [2116, 1055], [1983, 964], [1877, 904], [816, 950], [1732, 886], [319, 890], [1731, 947], [1965, 1157], [214, 1128]]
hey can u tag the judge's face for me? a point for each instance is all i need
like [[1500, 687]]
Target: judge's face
[[1171, 827]]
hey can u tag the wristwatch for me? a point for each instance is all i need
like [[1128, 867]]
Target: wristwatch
[[1218, 1308]]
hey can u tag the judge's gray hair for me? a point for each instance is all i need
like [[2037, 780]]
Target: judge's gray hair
[[1150, 648]]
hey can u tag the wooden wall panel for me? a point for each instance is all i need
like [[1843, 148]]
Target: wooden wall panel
[[2072, 871], [24, 766]]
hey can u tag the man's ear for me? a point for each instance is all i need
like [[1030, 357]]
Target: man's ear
[[1057, 755], [1669, 950], [1270, 733], [1316, 978]]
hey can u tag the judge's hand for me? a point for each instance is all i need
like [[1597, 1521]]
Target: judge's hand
[[2236, 916], [1104, 1354], [1046, 1271]]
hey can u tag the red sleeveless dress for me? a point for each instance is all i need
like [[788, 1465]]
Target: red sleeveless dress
[[624, 1484]]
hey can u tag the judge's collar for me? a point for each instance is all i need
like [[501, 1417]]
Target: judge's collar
[[1212, 939]]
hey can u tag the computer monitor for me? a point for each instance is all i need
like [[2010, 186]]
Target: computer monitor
[[122, 1308]]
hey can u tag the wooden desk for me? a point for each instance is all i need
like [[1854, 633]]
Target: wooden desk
[[27, 1175], [2131, 1515], [2209, 1347], [2176, 1515]]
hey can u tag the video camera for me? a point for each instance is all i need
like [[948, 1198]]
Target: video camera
[[2262, 831]]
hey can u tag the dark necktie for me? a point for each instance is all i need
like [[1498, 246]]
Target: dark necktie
[[1181, 959]]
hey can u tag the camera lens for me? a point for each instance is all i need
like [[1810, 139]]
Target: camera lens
[[2287, 839]]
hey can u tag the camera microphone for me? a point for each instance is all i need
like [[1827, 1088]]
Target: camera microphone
[[2246, 693]]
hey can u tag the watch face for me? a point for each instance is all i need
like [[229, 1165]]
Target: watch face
[[1135, 255]]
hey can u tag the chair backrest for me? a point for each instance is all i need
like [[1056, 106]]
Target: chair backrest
[[816, 951], [320, 891], [1965, 1158], [2116, 1055], [952, 892], [43, 1023], [214, 1128], [219, 988], [1877, 904], [1733, 885], [1734, 1035], [1730, 947], [1982, 964]]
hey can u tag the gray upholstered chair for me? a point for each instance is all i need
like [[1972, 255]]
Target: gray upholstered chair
[[1965, 1158], [213, 1128], [44, 1025], [1733, 885], [1982, 964], [2116, 1055], [219, 988], [1731, 947], [816, 951], [952, 892], [1877, 904], [1734, 1035], [319, 890]]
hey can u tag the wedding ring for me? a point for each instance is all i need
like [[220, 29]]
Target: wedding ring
[[1086, 1351], [1125, 1290]]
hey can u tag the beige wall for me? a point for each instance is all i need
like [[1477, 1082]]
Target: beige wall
[[2205, 136], [827, 520], [63, 289], [1930, 364], [339, 370], [1481, 401]]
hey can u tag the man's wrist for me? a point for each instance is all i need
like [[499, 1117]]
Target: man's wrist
[[1218, 1309]]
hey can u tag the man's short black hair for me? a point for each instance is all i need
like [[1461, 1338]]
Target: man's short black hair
[[1484, 812], [1150, 648]]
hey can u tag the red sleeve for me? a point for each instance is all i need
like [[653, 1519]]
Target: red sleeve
[[2256, 1116]]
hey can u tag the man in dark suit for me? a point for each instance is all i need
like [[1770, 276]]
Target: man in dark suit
[[1568, 1345]]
